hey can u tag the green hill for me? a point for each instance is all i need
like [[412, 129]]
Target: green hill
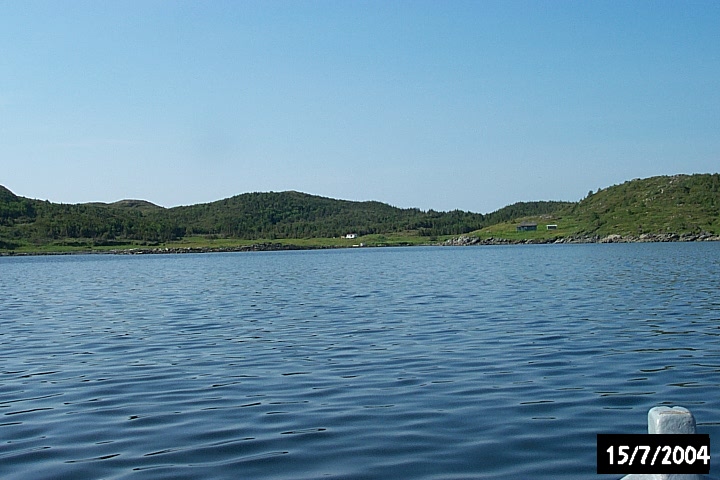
[[677, 204], [680, 204], [6, 196], [32, 224], [299, 215], [128, 203]]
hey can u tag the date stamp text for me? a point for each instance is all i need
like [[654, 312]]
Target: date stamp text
[[649, 454]]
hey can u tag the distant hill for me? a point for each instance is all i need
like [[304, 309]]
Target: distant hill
[[667, 204], [271, 215], [300, 215], [678, 204], [6, 195], [658, 205], [128, 203], [524, 209]]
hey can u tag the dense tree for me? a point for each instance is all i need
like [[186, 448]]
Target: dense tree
[[682, 203], [249, 216]]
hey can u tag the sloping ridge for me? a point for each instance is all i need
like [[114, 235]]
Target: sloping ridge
[[6, 195], [663, 204], [132, 203], [293, 214], [669, 204]]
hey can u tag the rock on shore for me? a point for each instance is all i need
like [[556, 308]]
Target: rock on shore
[[257, 247], [464, 240]]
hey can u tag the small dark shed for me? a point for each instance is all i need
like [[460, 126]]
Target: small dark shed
[[526, 227]]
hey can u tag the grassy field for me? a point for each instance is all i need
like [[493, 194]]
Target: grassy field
[[218, 243], [365, 240], [508, 230]]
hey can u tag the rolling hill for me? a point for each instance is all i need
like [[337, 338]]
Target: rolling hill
[[663, 205], [679, 204], [676, 204], [252, 216]]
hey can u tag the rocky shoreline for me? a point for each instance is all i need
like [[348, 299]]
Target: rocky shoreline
[[460, 241], [614, 238], [258, 247]]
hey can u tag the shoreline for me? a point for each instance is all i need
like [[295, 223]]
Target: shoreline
[[461, 241], [575, 239], [257, 247]]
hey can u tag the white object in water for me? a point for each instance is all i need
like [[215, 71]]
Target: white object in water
[[669, 420]]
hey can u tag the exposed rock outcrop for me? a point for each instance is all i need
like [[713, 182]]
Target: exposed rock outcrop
[[465, 240]]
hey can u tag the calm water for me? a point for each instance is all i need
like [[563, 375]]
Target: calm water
[[412, 363]]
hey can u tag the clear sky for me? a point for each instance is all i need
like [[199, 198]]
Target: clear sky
[[432, 104]]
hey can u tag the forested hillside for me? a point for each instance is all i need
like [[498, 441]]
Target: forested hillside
[[267, 216], [677, 204], [299, 215], [681, 204], [642, 208], [24, 220]]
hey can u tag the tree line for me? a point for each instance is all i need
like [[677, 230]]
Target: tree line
[[273, 215]]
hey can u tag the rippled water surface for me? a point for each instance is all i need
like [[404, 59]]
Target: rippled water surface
[[411, 363]]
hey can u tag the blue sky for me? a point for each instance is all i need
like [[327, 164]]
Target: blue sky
[[429, 104]]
